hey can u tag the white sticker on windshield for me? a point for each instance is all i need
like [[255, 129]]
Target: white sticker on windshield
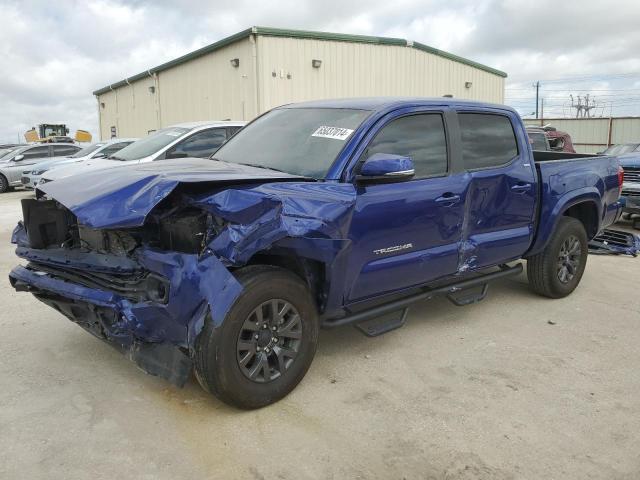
[[336, 133], [173, 134]]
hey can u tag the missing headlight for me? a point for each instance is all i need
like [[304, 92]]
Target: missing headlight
[[48, 223]]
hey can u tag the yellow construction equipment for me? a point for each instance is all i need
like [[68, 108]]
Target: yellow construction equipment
[[49, 132]]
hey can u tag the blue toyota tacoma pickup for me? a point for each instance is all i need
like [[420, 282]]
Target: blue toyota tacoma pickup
[[317, 214]]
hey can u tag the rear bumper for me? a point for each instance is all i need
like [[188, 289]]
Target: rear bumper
[[158, 336]]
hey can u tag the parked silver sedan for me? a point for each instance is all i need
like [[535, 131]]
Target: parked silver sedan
[[31, 177], [194, 139], [13, 163]]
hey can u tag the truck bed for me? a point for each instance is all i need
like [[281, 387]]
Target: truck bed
[[568, 178]]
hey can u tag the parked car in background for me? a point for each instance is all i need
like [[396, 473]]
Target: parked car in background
[[31, 177], [326, 213], [13, 164], [631, 187], [622, 149], [196, 139]]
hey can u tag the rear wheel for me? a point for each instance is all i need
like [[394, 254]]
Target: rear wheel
[[4, 184], [265, 344], [556, 271]]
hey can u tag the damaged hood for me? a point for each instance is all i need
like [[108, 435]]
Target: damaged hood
[[123, 197]]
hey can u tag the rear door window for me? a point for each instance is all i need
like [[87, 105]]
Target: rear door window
[[487, 140]]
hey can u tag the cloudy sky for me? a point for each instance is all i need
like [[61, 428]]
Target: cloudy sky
[[53, 55]]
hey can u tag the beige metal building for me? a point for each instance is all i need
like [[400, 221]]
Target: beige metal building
[[592, 135], [259, 68]]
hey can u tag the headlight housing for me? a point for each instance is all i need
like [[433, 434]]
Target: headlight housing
[[38, 172]]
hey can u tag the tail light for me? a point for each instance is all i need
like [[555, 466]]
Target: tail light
[[620, 179]]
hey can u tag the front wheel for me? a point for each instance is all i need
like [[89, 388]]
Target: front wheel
[[265, 344], [556, 271]]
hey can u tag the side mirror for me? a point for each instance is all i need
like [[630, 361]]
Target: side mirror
[[100, 155], [386, 168], [18, 158]]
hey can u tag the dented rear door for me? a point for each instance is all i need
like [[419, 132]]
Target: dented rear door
[[501, 199]]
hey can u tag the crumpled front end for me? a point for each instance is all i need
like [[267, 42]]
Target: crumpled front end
[[148, 286], [150, 307]]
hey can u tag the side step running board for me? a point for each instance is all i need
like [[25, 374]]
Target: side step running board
[[384, 323], [451, 291]]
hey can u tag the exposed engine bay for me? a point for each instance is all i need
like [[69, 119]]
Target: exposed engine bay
[[51, 225]]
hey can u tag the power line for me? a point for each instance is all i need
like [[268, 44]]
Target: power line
[[584, 78], [579, 89]]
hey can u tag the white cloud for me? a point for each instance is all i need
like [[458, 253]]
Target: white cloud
[[51, 59]]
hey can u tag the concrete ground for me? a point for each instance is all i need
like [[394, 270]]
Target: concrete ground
[[517, 386]]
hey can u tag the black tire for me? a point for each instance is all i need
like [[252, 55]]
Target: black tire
[[4, 184], [218, 351], [556, 272]]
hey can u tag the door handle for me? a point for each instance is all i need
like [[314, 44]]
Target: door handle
[[521, 187], [448, 199]]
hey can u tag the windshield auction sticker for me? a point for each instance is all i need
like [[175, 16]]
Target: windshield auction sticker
[[336, 133]]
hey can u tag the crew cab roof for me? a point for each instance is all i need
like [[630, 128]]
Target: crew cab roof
[[382, 103]]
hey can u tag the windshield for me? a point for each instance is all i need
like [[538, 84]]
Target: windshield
[[86, 150], [150, 145], [15, 151], [4, 151], [301, 141]]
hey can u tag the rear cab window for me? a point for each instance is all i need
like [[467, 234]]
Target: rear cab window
[[488, 140]]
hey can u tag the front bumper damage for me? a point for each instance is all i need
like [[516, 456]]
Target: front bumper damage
[[110, 292], [158, 335]]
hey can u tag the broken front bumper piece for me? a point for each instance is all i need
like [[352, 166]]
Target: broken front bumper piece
[[159, 333], [615, 242]]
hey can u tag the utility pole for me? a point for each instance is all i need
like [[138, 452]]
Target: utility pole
[[537, 95], [542, 110]]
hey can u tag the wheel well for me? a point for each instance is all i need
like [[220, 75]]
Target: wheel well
[[587, 213], [312, 272]]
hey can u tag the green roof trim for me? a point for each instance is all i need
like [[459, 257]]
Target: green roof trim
[[305, 34], [336, 37], [456, 58]]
